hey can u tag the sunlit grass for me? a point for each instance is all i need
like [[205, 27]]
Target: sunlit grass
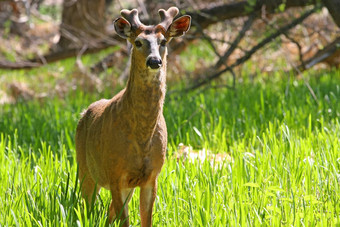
[[282, 144]]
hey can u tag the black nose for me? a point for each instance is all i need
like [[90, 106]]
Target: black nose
[[154, 62]]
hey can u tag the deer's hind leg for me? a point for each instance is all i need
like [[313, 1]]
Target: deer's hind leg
[[89, 188]]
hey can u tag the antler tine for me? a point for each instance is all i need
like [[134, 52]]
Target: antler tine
[[132, 17], [167, 16]]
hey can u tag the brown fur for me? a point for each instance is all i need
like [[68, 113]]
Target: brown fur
[[121, 142]]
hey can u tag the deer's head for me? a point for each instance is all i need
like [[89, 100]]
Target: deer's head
[[149, 41]]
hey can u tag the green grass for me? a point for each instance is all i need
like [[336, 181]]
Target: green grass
[[283, 167]]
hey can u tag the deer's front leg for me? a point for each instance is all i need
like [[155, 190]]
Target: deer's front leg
[[147, 199], [119, 204]]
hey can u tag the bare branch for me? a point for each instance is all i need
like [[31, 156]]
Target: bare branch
[[233, 46], [299, 49], [207, 38]]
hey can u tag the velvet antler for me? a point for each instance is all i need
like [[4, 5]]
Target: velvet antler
[[167, 16], [132, 17]]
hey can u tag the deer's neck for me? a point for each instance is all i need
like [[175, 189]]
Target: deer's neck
[[144, 98]]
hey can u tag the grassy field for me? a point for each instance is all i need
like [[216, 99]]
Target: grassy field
[[280, 143]]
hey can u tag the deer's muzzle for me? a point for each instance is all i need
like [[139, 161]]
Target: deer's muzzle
[[154, 63]]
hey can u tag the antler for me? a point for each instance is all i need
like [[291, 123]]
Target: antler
[[132, 17], [167, 16]]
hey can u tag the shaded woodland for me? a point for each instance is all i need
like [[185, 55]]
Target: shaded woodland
[[304, 33]]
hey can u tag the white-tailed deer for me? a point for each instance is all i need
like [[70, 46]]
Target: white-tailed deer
[[121, 142]]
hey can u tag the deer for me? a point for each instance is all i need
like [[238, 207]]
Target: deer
[[121, 142]]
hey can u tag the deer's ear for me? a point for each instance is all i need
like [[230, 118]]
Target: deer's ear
[[179, 27], [122, 27]]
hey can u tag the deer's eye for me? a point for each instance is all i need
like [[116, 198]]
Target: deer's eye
[[138, 43], [163, 42]]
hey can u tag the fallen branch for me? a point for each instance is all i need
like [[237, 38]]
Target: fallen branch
[[330, 55], [212, 15], [19, 65], [56, 56], [249, 53], [73, 52]]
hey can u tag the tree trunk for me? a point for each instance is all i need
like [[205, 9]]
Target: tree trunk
[[15, 12], [83, 23], [333, 7]]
